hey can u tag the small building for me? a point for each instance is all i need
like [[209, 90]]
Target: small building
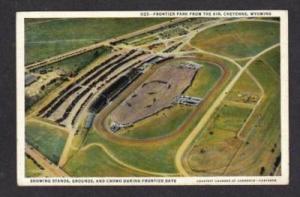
[[89, 120], [188, 100], [29, 79]]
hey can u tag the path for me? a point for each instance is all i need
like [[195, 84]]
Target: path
[[125, 164], [44, 162]]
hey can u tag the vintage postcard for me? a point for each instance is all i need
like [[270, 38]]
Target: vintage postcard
[[152, 98]]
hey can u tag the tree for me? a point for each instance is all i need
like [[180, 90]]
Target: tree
[[262, 170], [96, 54]]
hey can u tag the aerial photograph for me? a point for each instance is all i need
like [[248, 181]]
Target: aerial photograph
[[152, 97]]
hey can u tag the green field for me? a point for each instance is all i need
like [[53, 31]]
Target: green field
[[46, 38], [212, 152], [272, 59], [48, 140], [246, 84], [231, 118], [31, 169], [169, 119], [264, 141], [218, 151], [218, 142], [269, 81], [142, 156], [238, 39], [95, 162], [243, 62], [76, 63], [206, 78], [244, 87]]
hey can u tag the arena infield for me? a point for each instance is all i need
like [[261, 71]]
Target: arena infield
[[158, 92]]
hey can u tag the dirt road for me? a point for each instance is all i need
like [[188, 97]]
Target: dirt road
[[44, 162]]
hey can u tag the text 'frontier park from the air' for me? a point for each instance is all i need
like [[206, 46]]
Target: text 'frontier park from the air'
[[152, 97]]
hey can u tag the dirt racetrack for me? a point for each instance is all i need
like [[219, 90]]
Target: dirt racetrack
[[99, 122]]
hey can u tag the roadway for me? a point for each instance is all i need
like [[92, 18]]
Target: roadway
[[44, 162]]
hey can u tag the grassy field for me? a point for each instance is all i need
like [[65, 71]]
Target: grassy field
[[212, 152], [169, 119], [218, 142], [231, 118], [218, 151], [243, 62], [264, 141], [48, 140], [272, 59], [76, 63], [46, 38], [240, 39], [31, 169], [95, 162], [245, 86], [141, 156], [205, 79]]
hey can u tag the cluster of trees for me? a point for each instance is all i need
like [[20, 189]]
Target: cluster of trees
[[277, 162], [30, 101]]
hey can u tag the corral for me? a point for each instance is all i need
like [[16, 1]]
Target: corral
[[159, 91]]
